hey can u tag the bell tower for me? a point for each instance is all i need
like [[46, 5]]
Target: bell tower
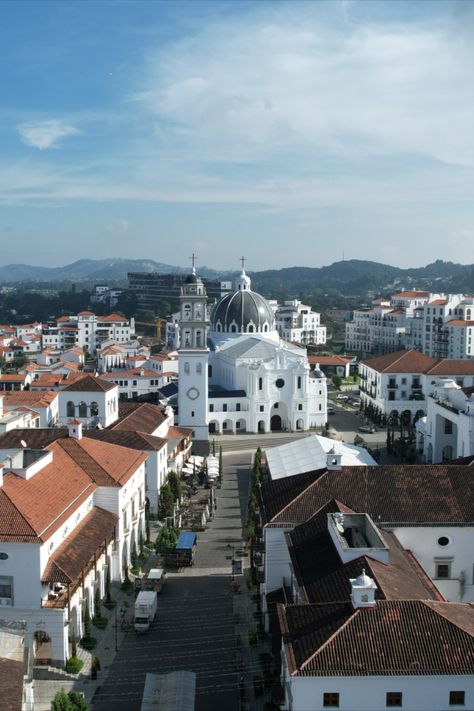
[[193, 361]]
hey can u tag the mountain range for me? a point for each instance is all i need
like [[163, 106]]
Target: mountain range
[[351, 277]]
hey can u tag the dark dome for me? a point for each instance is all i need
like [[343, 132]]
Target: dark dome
[[191, 279], [243, 311]]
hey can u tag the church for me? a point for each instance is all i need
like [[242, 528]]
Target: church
[[235, 373]]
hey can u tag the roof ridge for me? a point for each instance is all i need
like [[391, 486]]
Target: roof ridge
[[290, 503], [86, 453]]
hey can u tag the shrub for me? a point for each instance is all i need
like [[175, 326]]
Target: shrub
[[88, 643], [74, 665], [110, 604], [61, 702], [100, 622], [77, 700]]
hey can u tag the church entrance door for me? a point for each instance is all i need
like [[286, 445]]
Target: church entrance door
[[275, 423]]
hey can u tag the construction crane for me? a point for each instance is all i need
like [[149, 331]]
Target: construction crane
[[158, 326]]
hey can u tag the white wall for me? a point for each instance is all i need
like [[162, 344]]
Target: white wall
[[277, 558], [420, 693]]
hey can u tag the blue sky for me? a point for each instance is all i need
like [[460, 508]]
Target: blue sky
[[290, 132]]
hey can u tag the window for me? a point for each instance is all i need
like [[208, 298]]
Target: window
[[260, 383], [6, 589], [237, 425], [443, 570], [82, 409], [394, 698], [457, 698], [443, 541], [279, 382], [448, 427], [300, 406], [299, 381], [224, 407], [237, 406], [224, 425], [94, 409], [70, 409], [192, 413], [262, 408], [209, 370], [186, 369], [211, 408], [331, 700]]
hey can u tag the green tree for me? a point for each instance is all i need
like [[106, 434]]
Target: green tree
[[336, 381], [166, 501], [78, 703], [97, 609], [175, 484], [164, 308], [167, 539], [62, 702]]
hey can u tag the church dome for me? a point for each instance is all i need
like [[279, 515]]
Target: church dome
[[242, 311]]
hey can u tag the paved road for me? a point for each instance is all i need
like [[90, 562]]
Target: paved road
[[195, 626]]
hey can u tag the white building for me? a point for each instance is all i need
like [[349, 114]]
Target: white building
[[44, 403], [70, 512], [297, 323], [87, 331], [400, 383], [439, 325], [92, 400], [447, 431], [246, 379], [134, 383]]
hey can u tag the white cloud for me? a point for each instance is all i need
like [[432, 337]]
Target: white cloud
[[302, 85], [45, 134]]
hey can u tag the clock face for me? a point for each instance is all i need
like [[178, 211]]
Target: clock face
[[192, 393]]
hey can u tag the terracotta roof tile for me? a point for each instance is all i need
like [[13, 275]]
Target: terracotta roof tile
[[411, 294], [89, 383], [35, 438], [35, 398], [336, 640], [452, 367], [384, 492], [40, 502], [410, 361], [144, 418], [459, 322], [73, 555], [11, 684], [106, 464], [133, 440]]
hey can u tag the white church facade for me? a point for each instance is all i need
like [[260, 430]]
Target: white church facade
[[235, 373]]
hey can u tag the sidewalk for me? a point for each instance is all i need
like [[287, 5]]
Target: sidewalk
[[109, 641]]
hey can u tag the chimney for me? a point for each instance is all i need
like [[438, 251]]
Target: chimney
[[74, 429], [363, 591], [333, 459]]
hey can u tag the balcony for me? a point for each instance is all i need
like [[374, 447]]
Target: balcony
[[392, 386]]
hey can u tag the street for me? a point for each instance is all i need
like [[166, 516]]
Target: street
[[195, 625]]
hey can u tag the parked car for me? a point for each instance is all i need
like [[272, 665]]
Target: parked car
[[340, 396], [369, 429], [331, 410]]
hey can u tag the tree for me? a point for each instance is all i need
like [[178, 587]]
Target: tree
[[164, 308], [78, 702], [62, 702], [87, 620], [175, 484], [97, 610], [166, 501], [336, 381]]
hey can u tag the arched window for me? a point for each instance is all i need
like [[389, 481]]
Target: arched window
[[265, 328], [198, 368], [219, 327], [70, 409], [94, 409], [187, 311], [250, 328], [198, 339], [82, 409], [186, 369], [233, 328], [299, 381], [187, 338], [260, 383]]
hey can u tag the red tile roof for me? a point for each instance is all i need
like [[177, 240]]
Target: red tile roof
[[452, 367], [329, 360], [11, 684], [35, 398], [410, 361], [386, 493], [89, 383], [106, 464], [112, 318], [144, 418], [411, 294], [459, 322], [395, 638], [437, 302], [74, 554]]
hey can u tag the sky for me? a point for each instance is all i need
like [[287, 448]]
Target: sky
[[292, 133]]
